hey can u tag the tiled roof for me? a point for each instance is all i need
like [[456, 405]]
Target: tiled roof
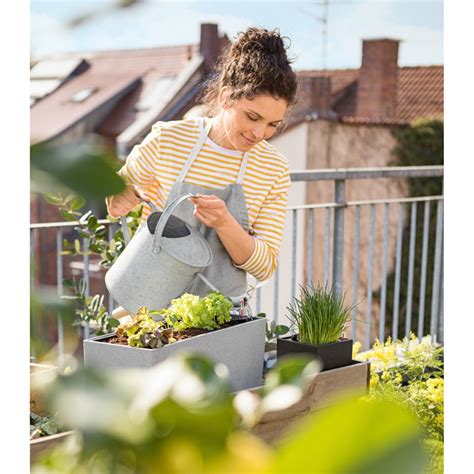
[[115, 74], [420, 93], [340, 78]]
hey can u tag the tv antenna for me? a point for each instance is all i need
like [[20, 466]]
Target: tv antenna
[[324, 28]]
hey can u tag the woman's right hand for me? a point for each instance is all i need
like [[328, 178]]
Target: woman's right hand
[[121, 204]]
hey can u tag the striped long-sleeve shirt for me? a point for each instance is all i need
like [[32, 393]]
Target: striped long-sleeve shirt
[[155, 164]]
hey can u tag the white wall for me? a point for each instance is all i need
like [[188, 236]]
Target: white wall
[[292, 144]]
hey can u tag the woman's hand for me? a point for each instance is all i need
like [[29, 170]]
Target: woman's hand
[[211, 211], [121, 204]]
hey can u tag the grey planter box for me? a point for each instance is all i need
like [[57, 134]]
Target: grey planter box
[[240, 348]]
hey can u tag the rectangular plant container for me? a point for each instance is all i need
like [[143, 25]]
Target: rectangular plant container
[[40, 445], [332, 355], [240, 348]]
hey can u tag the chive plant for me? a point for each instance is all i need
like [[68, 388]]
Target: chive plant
[[319, 314]]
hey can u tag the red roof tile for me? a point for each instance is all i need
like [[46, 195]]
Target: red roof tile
[[420, 93], [112, 73]]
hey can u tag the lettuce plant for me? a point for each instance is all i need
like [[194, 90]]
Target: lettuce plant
[[190, 311], [143, 330]]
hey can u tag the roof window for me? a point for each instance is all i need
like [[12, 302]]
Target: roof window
[[83, 94]]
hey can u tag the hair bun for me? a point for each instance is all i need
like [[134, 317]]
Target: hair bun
[[255, 63], [259, 41]]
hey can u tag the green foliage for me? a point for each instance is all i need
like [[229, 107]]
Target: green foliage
[[143, 331], [190, 311], [180, 417], [83, 168], [420, 144], [435, 453], [89, 228], [354, 437], [89, 309], [43, 425], [274, 330], [319, 314], [410, 373]]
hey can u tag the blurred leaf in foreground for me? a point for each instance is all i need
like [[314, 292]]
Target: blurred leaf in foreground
[[84, 168], [354, 436]]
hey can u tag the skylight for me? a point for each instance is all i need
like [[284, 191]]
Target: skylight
[[83, 94]]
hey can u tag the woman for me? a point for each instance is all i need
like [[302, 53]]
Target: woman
[[241, 180]]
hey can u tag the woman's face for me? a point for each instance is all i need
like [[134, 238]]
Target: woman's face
[[245, 122]]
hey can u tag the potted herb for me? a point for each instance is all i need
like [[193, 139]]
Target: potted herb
[[320, 317], [190, 324]]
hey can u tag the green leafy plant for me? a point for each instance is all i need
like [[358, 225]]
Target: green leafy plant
[[274, 330], [143, 330], [90, 228], [319, 315], [43, 425], [89, 309], [190, 311]]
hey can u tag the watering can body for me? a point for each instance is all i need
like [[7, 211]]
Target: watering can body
[[154, 269]]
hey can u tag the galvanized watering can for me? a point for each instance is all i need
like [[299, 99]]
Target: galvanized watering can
[[159, 262]]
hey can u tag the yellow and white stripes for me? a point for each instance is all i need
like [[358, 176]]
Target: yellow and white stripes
[[155, 165]]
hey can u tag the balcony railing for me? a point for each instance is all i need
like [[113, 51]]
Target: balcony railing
[[298, 264]]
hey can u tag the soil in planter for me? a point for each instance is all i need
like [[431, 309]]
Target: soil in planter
[[178, 335]]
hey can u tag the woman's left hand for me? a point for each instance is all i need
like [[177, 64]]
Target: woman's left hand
[[211, 211]]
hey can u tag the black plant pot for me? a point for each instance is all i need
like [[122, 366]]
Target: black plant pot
[[332, 355]]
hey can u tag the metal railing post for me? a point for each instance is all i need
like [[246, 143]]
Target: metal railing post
[[338, 242]]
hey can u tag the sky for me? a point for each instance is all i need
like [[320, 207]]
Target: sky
[[418, 24]]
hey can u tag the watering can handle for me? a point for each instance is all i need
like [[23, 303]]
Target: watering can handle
[[167, 212], [123, 221]]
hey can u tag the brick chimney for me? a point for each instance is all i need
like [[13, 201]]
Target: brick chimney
[[210, 45], [319, 93], [377, 84]]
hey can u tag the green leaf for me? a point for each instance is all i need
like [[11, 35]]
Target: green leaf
[[92, 222], [68, 283], [77, 245], [83, 233], [100, 231], [67, 215], [114, 322], [82, 167], [53, 198], [83, 220], [82, 286], [112, 245], [95, 247], [354, 436], [76, 203], [281, 329]]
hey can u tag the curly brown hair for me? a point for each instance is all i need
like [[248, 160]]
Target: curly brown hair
[[256, 63]]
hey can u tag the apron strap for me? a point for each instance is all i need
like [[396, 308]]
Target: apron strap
[[243, 168], [195, 151]]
